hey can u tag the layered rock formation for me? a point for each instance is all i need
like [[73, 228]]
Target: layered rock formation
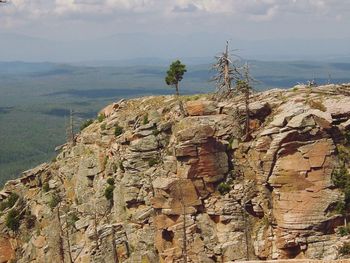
[[158, 180]]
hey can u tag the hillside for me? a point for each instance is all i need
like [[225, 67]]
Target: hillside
[[156, 180]]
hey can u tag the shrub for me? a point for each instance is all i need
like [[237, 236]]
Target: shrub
[[86, 124], [145, 119], [72, 218], [340, 207], [345, 249], [344, 230], [343, 154], [347, 137], [101, 117], [3, 206], [230, 143], [54, 201], [110, 181], [46, 187], [103, 126], [10, 202], [224, 188], [12, 199], [109, 192], [118, 130], [12, 220], [155, 132], [340, 177], [153, 162]]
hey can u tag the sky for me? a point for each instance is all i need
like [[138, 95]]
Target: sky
[[79, 30]]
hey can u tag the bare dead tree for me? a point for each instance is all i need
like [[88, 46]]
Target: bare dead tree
[[60, 237], [244, 87], [68, 241], [70, 129], [227, 72], [184, 226], [115, 255], [179, 193]]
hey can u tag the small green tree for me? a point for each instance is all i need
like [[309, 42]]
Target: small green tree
[[244, 87], [12, 220], [175, 74]]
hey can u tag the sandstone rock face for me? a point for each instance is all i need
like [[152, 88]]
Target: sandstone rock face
[[7, 252], [180, 186]]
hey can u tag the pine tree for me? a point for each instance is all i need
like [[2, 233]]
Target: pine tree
[[175, 75]]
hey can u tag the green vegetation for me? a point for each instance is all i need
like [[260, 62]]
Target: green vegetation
[[9, 202], [118, 130], [341, 179], [101, 117], [103, 126], [345, 249], [341, 176], [155, 132], [71, 219], [145, 119], [175, 74], [46, 187], [192, 97], [54, 201], [344, 153], [224, 188], [152, 162], [110, 181], [12, 220], [230, 143], [109, 192], [344, 230], [110, 188], [86, 124]]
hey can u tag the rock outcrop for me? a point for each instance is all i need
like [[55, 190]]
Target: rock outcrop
[[148, 184]]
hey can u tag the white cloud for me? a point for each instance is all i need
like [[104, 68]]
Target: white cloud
[[253, 10], [244, 7]]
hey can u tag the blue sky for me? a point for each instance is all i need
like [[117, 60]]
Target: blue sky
[[74, 30]]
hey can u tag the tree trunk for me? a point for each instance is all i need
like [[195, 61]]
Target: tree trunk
[[247, 113], [177, 89], [60, 238]]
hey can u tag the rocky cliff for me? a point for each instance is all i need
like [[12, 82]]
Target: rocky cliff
[[156, 180]]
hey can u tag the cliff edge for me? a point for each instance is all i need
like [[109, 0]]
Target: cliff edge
[[156, 180]]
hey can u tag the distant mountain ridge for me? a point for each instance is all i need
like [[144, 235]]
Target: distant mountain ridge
[[141, 45]]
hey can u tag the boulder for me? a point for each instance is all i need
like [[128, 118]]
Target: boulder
[[201, 108]]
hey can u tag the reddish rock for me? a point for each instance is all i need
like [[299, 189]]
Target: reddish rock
[[200, 108], [7, 252]]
